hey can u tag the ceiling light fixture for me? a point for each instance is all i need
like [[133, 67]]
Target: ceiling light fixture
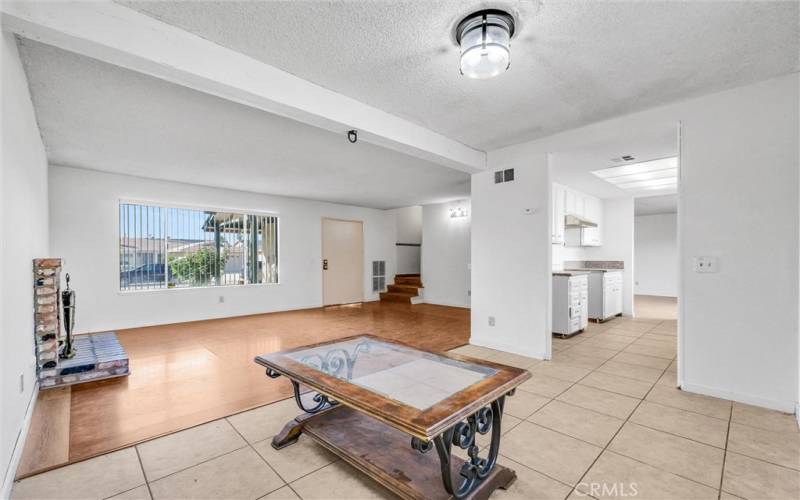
[[485, 38], [661, 174]]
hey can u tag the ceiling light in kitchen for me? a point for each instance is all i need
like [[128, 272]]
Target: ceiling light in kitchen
[[485, 38], [648, 176]]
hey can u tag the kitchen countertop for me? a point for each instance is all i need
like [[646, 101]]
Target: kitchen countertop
[[571, 272], [594, 270]]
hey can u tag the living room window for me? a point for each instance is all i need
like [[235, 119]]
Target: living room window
[[169, 247]]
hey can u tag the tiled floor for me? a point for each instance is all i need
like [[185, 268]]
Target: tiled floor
[[602, 419]]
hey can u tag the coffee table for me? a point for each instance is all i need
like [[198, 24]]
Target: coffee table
[[382, 406]]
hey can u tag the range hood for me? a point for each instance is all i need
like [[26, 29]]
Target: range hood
[[573, 221]]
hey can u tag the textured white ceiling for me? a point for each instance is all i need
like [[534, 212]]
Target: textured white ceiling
[[99, 116], [665, 204], [572, 62]]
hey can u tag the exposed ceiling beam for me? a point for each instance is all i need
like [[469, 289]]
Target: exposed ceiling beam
[[121, 36]]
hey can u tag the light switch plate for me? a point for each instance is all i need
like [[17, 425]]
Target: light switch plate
[[705, 264]]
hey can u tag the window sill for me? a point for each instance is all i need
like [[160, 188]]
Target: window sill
[[223, 287]]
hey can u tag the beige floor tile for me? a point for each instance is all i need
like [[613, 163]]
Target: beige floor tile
[[561, 371], [180, 450], [665, 330], [339, 480], [666, 352], [615, 383], [673, 367], [511, 359], [586, 425], [637, 372], [706, 405], [297, 460], [285, 493], [522, 404], [567, 357], [561, 457], [530, 485], [779, 448], [635, 327], [266, 421], [608, 403], [684, 457], [604, 343], [99, 477], [622, 476], [624, 333], [544, 385], [239, 474], [642, 360], [668, 379], [684, 423], [140, 493], [657, 340], [727, 496], [749, 478], [475, 351], [763, 418], [591, 351]]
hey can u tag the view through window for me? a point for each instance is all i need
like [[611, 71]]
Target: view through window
[[166, 247]]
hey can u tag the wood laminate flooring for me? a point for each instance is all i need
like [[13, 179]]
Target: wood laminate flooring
[[187, 374]]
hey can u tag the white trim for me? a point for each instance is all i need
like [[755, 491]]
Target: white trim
[[447, 303], [772, 404], [505, 348], [189, 206], [680, 355], [19, 445]]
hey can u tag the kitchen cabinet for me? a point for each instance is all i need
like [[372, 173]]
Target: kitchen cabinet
[[575, 202], [559, 205], [593, 211]]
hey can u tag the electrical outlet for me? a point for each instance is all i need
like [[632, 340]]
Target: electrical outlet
[[705, 264], [221, 299], [491, 320]]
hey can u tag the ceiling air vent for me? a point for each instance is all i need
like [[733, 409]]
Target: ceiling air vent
[[506, 175], [620, 159]]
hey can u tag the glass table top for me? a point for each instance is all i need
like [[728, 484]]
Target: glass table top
[[416, 378]]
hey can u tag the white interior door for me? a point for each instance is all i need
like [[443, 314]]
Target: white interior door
[[342, 261]]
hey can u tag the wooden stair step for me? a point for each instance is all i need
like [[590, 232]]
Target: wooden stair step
[[397, 297], [413, 289], [408, 279]]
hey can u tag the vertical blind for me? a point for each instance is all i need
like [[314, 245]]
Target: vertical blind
[[166, 247]]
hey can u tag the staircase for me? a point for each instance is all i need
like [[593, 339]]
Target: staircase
[[407, 288]]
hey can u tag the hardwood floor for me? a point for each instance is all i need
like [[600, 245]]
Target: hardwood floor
[[186, 374]]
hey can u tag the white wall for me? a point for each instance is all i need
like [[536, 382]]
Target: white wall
[[83, 214], [446, 254], [511, 258], [618, 244], [656, 254], [23, 225], [739, 185], [408, 229]]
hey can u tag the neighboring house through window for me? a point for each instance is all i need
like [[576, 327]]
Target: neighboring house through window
[[168, 247]]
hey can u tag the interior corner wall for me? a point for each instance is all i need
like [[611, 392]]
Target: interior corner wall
[[618, 244], [656, 255], [511, 258], [446, 254], [84, 208], [24, 229], [738, 328]]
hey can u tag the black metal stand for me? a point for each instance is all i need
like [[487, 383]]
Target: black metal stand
[[463, 435], [322, 401]]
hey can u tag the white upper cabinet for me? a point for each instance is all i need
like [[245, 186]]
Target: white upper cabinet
[[570, 201], [559, 205]]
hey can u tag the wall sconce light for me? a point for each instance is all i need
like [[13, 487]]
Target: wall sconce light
[[458, 212]]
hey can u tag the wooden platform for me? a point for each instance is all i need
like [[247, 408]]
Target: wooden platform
[[187, 374], [385, 454]]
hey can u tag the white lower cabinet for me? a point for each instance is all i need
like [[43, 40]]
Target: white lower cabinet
[[570, 302], [605, 294]]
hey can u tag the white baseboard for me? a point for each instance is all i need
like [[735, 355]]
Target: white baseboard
[[506, 348], [19, 445], [772, 404]]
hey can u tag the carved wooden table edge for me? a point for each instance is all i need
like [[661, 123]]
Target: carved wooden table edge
[[362, 439]]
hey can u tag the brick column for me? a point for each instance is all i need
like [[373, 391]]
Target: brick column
[[47, 322]]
